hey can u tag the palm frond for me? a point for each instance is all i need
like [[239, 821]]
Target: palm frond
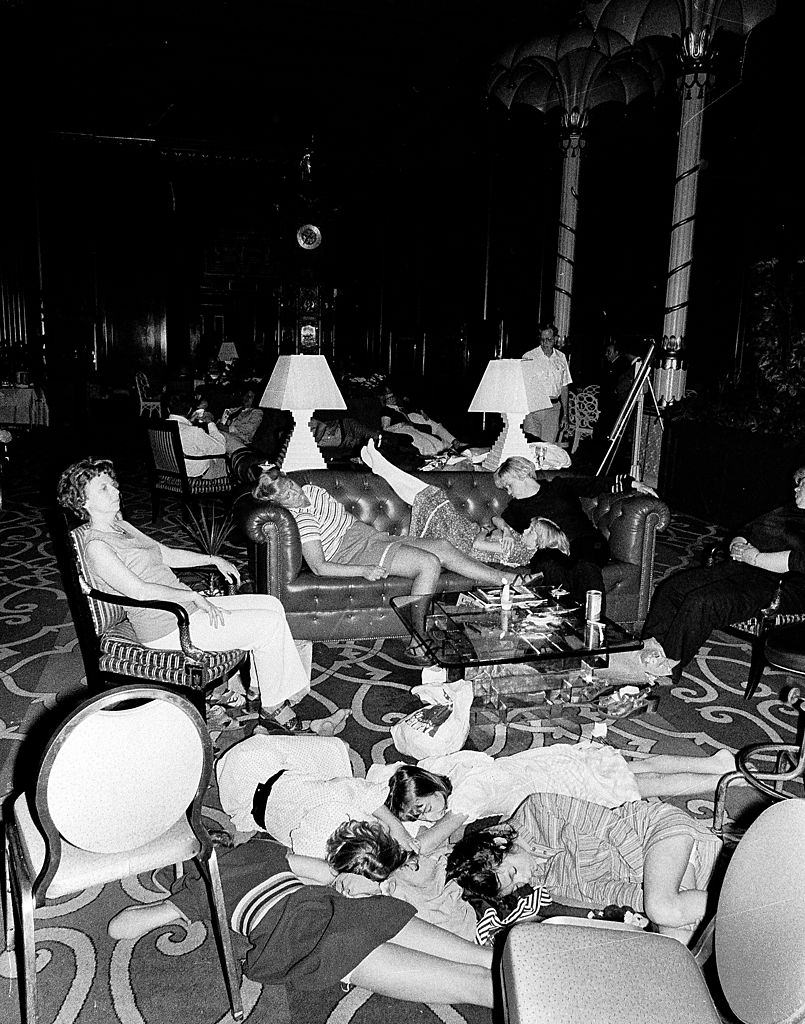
[[209, 534]]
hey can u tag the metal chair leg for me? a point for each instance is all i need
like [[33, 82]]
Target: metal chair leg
[[8, 905], [221, 922]]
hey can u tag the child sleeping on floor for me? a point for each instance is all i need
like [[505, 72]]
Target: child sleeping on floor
[[300, 788]]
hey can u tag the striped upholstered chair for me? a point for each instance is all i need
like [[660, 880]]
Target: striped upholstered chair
[[167, 469], [112, 653]]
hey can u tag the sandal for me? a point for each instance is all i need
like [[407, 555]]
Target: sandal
[[282, 719], [229, 699]]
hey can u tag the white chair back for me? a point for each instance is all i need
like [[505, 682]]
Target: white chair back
[[760, 922], [122, 776]]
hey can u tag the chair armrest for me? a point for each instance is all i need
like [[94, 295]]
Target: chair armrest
[[182, 618], [274, 545]]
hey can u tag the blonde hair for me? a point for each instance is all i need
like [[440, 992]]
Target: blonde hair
[[516, 466], [549, 534]]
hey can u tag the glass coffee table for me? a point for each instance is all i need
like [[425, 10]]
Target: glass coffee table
[[539, 658]]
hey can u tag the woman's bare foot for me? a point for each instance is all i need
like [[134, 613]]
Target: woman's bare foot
[[368, 453], [722, 762], [330, 726], [134, 922]]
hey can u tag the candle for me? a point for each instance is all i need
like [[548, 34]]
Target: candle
[[505, 595]]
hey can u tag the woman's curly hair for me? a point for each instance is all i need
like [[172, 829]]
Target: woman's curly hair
[[71, 488], [474, 858], [365, 848]]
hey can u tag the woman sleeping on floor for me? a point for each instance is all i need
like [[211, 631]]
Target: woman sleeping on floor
[[300, 788], [640, 856]]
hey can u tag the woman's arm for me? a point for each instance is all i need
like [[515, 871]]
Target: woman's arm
[[319, 872], [314, 556], [396, 828], [440, 832], [500, 523], [105, 565], [179, 558], [311, 868], [772, 561]]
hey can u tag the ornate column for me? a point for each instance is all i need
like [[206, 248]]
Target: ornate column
[[670, 377], [573, 125]]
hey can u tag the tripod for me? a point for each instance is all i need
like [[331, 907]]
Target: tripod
[[633, 404]]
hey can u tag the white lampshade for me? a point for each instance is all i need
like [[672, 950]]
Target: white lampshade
[[511, 385], [513, 388], [227, 352], [301, 384]]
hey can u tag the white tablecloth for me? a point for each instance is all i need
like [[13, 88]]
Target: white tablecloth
[[23, 407]]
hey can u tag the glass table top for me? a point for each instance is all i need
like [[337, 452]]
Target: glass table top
[[471, 629]]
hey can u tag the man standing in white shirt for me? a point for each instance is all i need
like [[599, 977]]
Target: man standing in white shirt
[[196, 441], [553, 369]]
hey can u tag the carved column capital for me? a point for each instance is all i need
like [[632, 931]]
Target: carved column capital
[[697, 53], [573, 124]]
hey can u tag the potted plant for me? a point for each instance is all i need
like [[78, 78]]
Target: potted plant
[[209, 533]]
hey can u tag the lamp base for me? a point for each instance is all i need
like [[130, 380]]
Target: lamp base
[[511, 441], [302, 451]]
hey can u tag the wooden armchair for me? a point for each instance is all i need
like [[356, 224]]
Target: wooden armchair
[[112, 653], [167, 469]]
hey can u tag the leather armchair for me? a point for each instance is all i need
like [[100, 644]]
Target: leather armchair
[[322, 608]]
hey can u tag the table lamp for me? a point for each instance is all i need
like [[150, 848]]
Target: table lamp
[[227, 353], [513, 388], [301, 384]]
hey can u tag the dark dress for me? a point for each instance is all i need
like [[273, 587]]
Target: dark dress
[[558, 500], [689, 605], [312, 937], [577, 576]]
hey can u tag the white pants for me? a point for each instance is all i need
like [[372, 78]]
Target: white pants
[[255, 623]]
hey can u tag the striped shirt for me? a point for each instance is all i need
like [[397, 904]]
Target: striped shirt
[[257, 902], [324, 519]]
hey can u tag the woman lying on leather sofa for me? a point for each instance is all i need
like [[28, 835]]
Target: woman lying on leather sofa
[[336, 544]]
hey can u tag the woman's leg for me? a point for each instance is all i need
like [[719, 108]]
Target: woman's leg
[[422, 567], [455, 560], [403, 484], [675, 911], [256, 623], [677, 775], [426, 964], [689, 605]]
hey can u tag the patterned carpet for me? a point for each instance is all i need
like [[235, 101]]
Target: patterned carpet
[[173, 974]]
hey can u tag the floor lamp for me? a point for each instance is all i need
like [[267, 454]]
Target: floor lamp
[[301, 384], [512, 388]]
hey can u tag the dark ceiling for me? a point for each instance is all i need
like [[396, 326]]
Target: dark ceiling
[[361, 76]]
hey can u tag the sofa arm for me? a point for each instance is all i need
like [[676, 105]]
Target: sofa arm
[[631, 523], [275, 549]]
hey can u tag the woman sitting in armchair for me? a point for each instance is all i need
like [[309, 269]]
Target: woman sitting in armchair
[[125, 561], [690, 604]]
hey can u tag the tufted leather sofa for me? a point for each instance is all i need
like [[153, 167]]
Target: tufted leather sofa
[[322, 608]]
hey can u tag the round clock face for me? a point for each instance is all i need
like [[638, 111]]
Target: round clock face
[[309, 236]]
